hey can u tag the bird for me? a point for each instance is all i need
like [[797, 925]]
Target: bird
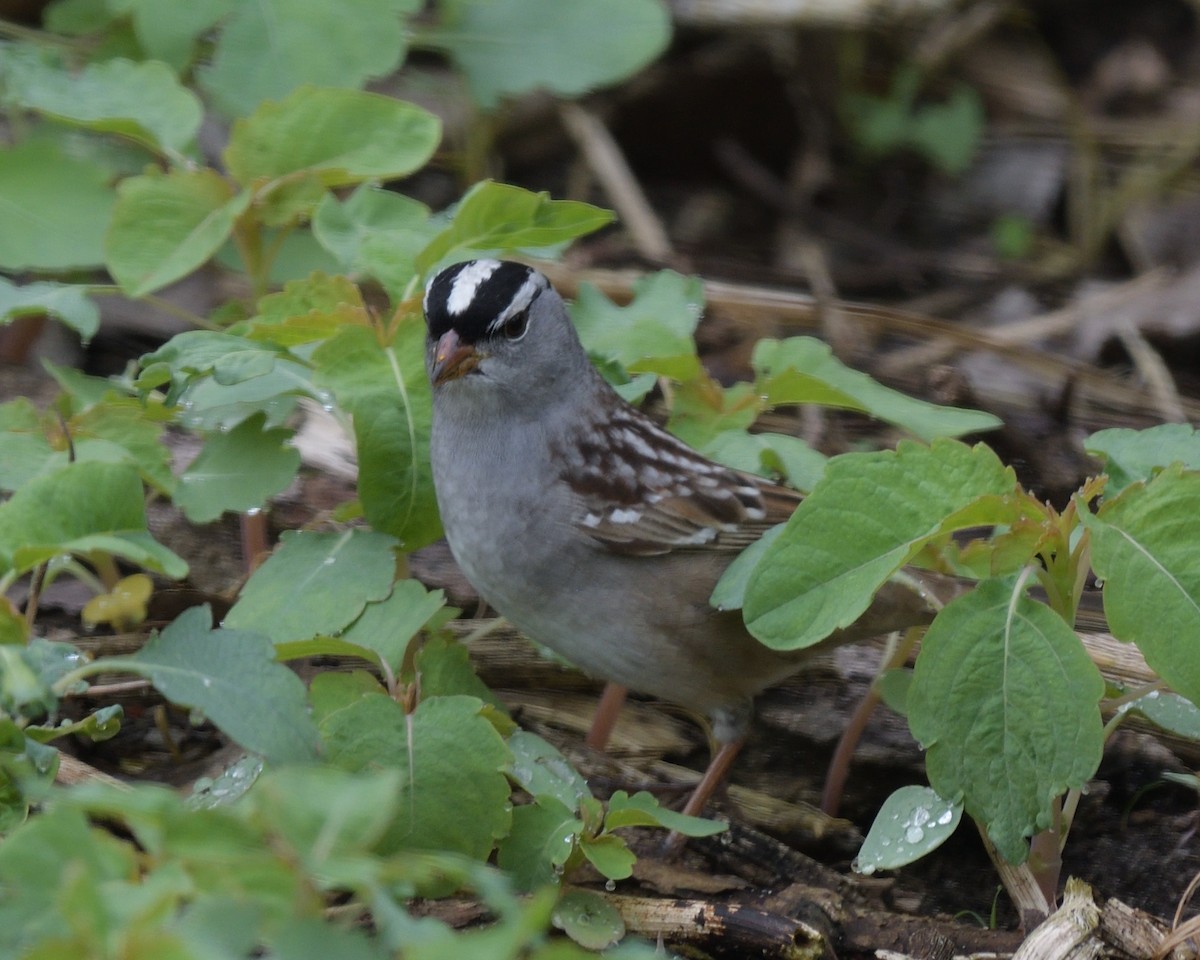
[[590, 528]]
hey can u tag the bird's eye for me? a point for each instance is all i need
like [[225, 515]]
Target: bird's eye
[[515, 326]]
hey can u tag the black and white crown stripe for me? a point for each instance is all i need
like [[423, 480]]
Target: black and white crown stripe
[[478, 297]]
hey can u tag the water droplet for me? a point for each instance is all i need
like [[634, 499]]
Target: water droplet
[[207, 681], [914, 835], [610, 885], [866, 869], [254, 511], [946, 817], [920, 817], [328, 561]]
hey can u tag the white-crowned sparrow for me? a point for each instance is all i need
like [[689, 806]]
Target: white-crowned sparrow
[[583, 523]]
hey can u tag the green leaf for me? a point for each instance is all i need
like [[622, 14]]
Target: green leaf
[[948, 133], [610, 855], [587, 918], [1005, 700], [167, 225], [237, 471], [123, 424], [542, 771], [269, 48], [387, 627], [386, 391], [509, 47], [867, 517], [544, 834], [1133, 455], [55, 209], [498, 217], [315, 583], [377, 232], [804, 370], [454, 795], [1144, 549], [654, 333], [730, 591], [23, 692], [912, 822], [1170, 712], [232, 677], [766, 454], [169, 32], [65, 302], [341, 136], [444, 668], [642, 810], [141, 101], [77, 509]]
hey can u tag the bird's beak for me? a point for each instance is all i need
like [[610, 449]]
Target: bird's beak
[[452, 359]]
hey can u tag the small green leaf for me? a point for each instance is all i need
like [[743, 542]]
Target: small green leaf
[[165, 226], [65, 302], [912, 822], [79, 508], [498, 217], [730, 591], [56, 209], [1133, 455], [509, 47], [341, 136], [170, 32], [866, 518], [387, 626], [444, 669], [804, 370], [1144, 549], [142, 101], [588, 919], [315, 583], [1005, 700], [237, 471], [948, 133], [1170, 712], [232, 676], [542, 771], [653, 334], [543, 837], [768, 453], [642, 810], [269, 48]]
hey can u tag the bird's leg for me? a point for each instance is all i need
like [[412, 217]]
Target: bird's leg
[[714, 776], [607, 711]]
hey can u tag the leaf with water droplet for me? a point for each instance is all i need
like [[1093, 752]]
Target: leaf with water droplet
[[588, 919], [912, 822]]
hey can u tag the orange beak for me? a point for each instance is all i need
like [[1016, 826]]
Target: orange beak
[[452, 359]]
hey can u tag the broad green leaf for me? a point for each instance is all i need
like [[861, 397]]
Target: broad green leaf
[[498, 217], [167, 225], [80, 508], [169, 32], [1144, 549], [912, 822], [341, 136], [315, 583], [386, 391], [541, 771], [642, 810], [269, 48], [454, 795], [308, 310], [237, 471], [37, 859], [123, 423], [55, 209], [387, 626], [1006, 701], [610, 855], [1133, 455], [804, 370], [653, 334], [509, 47], [142, 101], [65, 302], [866, 518], [377, 232], [730, 591], [543, 836], [232, 677], [321, 810], [1169, 712]]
